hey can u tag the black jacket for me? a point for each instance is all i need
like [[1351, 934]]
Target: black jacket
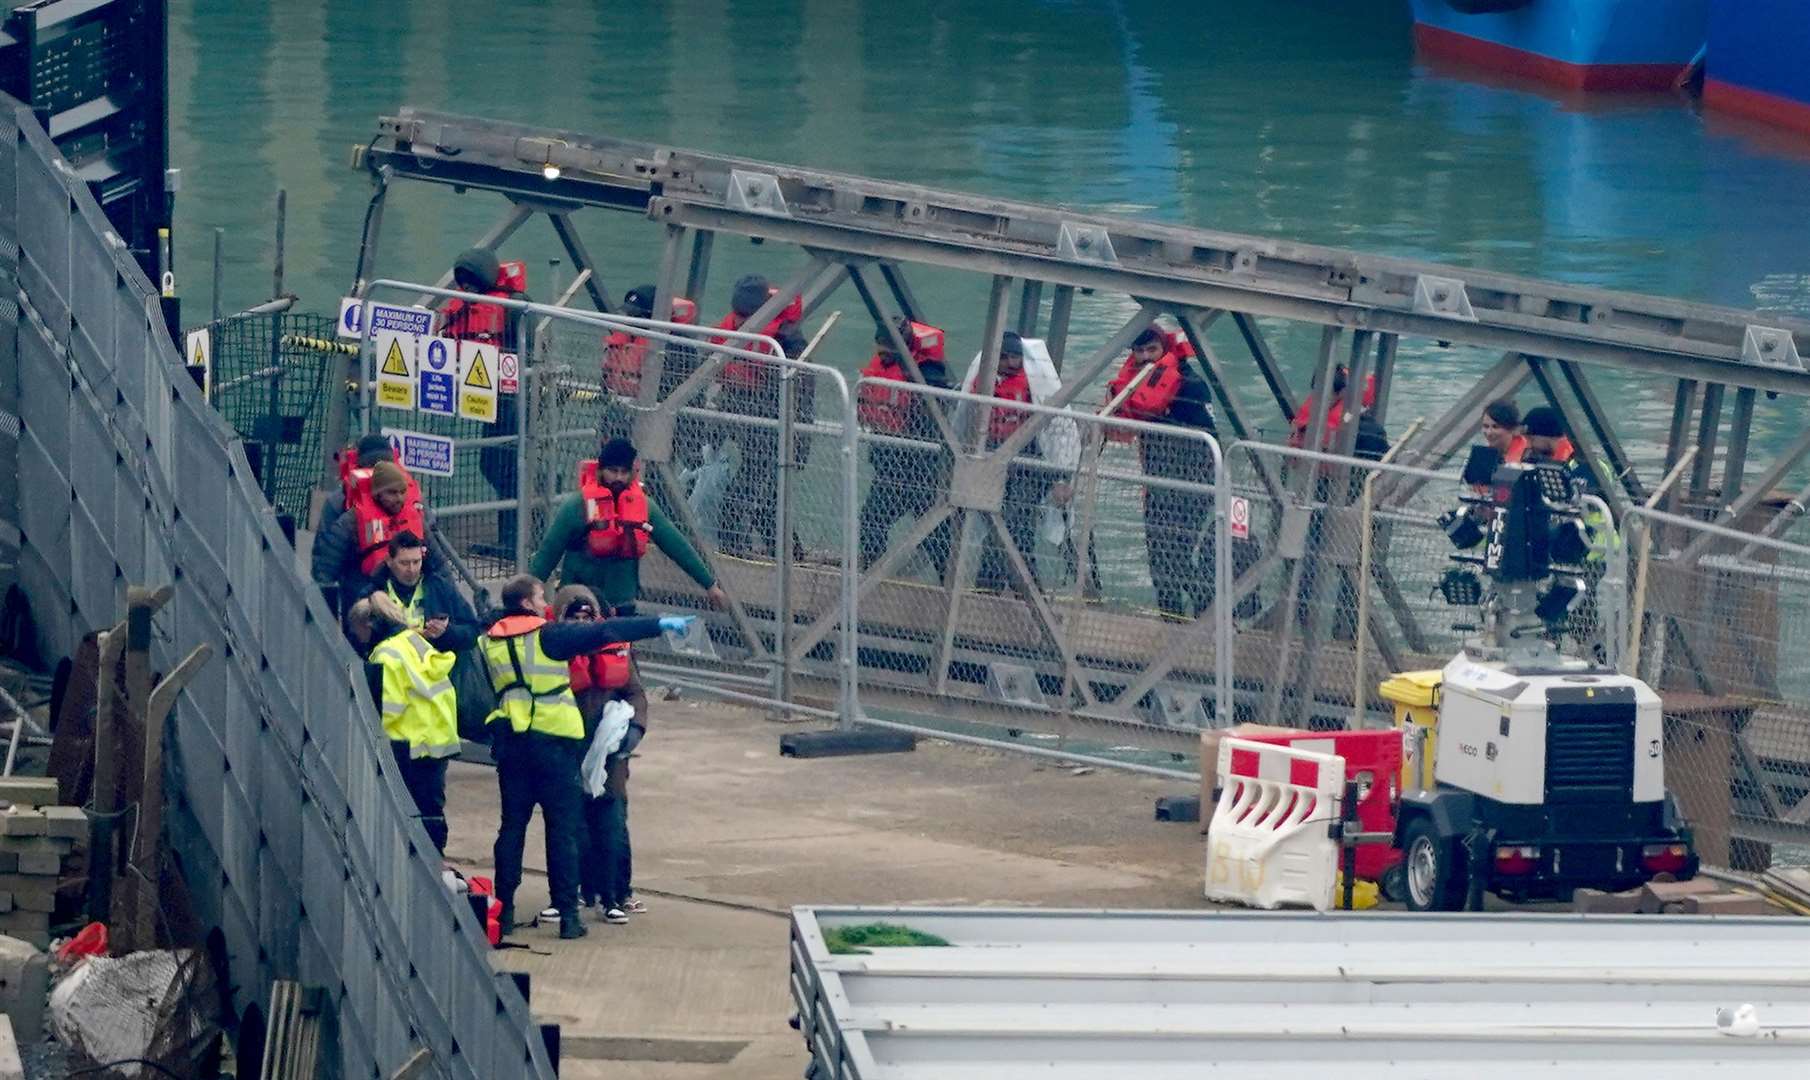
[[442, 599], [334, 561], [1182, 458], [566, 640]]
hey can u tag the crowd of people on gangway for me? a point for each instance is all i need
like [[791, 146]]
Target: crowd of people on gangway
[[552, 685]]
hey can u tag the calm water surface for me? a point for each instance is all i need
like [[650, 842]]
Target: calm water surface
[[1284, 118]]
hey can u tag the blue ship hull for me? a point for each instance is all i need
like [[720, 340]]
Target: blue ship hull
[[1756, 65], [1573, 44]]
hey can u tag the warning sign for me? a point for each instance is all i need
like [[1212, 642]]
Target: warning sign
[[1241, 518], [396, 359], [198, 355], [477, 381], [439, 370], [508, 367], [421, 453]]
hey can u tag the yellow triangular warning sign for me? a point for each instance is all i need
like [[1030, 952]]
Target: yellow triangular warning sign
[[478, 378], [393, 362], [200, 359]]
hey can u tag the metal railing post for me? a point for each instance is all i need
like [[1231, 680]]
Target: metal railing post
[[525, 384]]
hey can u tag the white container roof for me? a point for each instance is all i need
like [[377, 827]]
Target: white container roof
[[1154, 995]]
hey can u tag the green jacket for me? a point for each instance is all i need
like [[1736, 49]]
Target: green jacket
[[615, 581]]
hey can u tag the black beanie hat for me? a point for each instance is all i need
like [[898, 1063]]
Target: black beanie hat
[[616, 454], [750, 293], [1011, 344], [639, 301], [1544, 422], [1150, 336], [374, 448]]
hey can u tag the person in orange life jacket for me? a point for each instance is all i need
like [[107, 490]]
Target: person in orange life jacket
[[605, 860], [599, 534], [751, 388], [368, 451], [1178, 525], [431, 603], [1547, 441], [905, 479], [538, 735], [625, 355], [1335, 413], [1026, 488], [380, 507], [477, 270], [1503, 444]]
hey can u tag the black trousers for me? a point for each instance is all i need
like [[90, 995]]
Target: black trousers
[[497, 464], [425, 779], [905, 486], [1179, 542], [608, 863], [1022, 510], [539, 770]]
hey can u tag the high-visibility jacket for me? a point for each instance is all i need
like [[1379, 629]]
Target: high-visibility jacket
[[419, 706], [416, 619], [375, 528], [1001, 423], [624, 353], [616, 523], [533, 691], [743, 374]]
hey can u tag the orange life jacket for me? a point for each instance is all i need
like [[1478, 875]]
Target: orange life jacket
[[516, 625], [1152, 398], [608, 669], [616, 524], [623, 352], [473, 321], [1001, 423], [1335, 414], [375, 529], [744, 374], [887, 409]]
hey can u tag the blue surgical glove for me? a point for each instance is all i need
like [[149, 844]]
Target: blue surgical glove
[[677, 624]]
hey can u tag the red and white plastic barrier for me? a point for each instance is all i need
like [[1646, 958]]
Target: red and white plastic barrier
[[1270, 843]]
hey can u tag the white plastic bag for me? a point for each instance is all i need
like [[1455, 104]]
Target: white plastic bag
[[708, 483], [605, 741]]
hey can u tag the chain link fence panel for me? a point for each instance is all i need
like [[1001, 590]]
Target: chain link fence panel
[[286, 817], [1062, 590], [1301, 587], [738, 448], [269, 381], [1721, 637]]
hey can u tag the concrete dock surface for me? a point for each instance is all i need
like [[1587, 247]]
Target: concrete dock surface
[[728, 835]]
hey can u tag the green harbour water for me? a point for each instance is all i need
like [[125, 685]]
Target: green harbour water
[[1289, 119]]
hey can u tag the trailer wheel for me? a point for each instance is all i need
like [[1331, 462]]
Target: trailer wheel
[[1434, 873], [1395, 883]]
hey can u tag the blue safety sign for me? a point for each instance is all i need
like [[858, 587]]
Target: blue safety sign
[[439, 377], [404, 320], [429, 454]]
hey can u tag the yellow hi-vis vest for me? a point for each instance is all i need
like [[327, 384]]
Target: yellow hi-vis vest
[[413, 608], [419, 707], [533, 692]]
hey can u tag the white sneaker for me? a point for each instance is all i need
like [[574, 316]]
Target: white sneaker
[[615, 916], [549, 913]]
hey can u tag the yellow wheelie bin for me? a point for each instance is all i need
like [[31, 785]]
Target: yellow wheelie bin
[[1415, 695]]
